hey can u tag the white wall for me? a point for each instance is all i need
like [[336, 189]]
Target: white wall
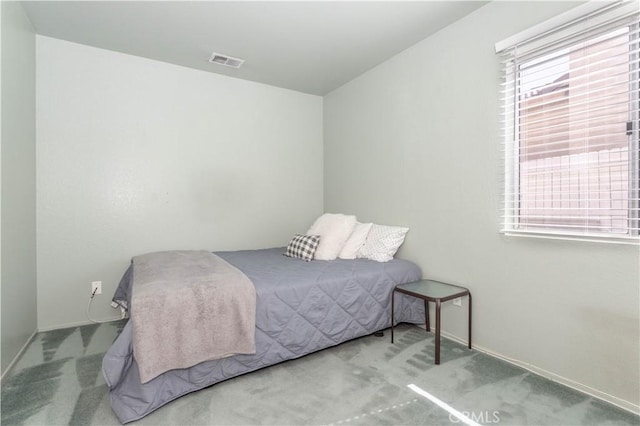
[[416, 142], [18, 182], [2, 365], [135, 155]]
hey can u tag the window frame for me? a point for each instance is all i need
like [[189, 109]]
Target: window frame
[[511, 200]]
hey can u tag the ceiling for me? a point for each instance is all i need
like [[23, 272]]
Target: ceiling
[[308, 46]]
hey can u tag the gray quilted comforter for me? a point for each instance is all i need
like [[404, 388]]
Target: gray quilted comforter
[[301, 307]]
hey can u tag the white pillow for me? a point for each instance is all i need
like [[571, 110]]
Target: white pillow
[[382, 242], [355, 241], [334, 230]]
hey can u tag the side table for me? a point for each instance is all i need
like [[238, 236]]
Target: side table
[[431, 291]]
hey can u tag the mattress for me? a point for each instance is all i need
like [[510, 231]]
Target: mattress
[[301, 307]]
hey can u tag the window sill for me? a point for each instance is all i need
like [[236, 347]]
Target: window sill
[[593, 238]]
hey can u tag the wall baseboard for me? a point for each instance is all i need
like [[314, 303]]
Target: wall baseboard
[[76, 324], [618, 402], [18, 355]]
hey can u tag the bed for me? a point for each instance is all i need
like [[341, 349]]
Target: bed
[[301, 307]]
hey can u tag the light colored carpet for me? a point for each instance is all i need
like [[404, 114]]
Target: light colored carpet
[[362, 382]]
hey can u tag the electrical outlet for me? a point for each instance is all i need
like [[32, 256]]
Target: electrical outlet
[[97, 287], [457, 301]]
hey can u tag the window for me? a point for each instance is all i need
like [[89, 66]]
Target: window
[[570, 126]]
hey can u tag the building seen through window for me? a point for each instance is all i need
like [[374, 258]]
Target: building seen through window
[[573, 149]]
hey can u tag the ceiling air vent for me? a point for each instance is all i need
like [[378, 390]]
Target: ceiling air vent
[[227, 61]]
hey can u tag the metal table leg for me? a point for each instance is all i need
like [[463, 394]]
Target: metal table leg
[[426, 314], [469, 320], [393, 293], [437, 331]]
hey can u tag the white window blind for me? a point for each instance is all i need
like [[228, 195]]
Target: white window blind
[[570, 121]]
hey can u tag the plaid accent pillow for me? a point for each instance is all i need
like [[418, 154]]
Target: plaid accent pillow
[[303, 246]]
